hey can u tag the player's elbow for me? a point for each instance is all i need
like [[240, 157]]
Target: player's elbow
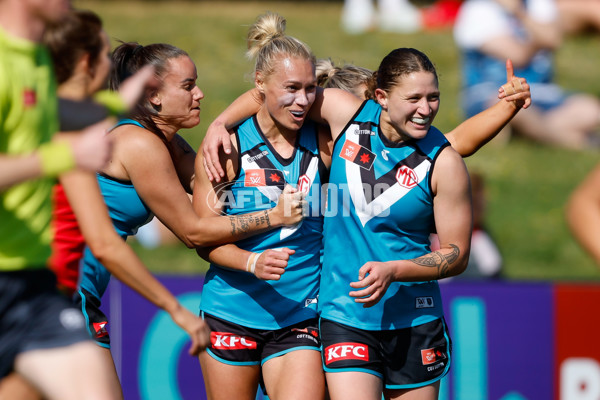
[[202, 240], [460, 264], [104, 248], [198, 238], [190, 241]]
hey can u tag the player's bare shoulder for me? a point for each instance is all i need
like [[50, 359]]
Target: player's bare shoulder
[[449, 168]]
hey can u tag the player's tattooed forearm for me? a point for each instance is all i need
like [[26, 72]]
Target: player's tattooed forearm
[[263, 219], [453, 256], [233, 229], [242, 223], [440, 261]]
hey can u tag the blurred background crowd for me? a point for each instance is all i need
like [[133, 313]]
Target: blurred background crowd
[[565, 118]]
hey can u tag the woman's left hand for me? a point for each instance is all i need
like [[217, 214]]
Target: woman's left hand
[[195, 327], [515, 90], [217, 137], [374, 278]]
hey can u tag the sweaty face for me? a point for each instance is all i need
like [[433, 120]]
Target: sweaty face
[[179, 97], [412, 104], [101, 66], [289, 92]]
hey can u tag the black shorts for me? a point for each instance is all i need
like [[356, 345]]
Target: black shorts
[[403, 358], [34, 315], [238, 345], [95, 319]]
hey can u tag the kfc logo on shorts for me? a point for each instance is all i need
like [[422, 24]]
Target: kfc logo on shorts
[[430, 356], [229, 341], [346, 351], [407, 177], [100, 328]]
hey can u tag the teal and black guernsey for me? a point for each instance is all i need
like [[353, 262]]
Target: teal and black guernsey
[[127, 212], [240, 297], [380, 208]]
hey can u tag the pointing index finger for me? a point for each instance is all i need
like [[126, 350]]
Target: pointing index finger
[[510, 72]]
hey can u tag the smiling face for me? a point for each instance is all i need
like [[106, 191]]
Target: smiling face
[[178, 98], [289, 91], [410, 105]]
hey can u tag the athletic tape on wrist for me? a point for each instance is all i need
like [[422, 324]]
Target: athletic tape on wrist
[[56, 158], [251, 263]]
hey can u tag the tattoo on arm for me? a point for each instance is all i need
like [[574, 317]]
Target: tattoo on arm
[[241, 223], [438, 260], [232, 220], [263, 219]]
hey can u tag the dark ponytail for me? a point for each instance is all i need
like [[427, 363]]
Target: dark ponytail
[[128, 58]]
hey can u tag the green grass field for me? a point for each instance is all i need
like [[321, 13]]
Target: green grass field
[[527, 184]]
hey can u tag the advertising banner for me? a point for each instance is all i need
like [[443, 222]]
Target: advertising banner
[[511, 341]]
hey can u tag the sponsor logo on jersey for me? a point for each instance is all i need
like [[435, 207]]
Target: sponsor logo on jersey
[[384, 154], [274, 177], [310, 301], [304, 183], [407, 177], [424, 302], [251, 159], [362, 128], [346, 351], [29, 98], [357, 154], [264, 177], [230, 341], [364, 132], [255, 177], [100, 328], [431, 356]]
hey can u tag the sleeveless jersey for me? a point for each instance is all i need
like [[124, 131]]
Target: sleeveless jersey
[[127, 212], [240, 297], [380, 208]]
